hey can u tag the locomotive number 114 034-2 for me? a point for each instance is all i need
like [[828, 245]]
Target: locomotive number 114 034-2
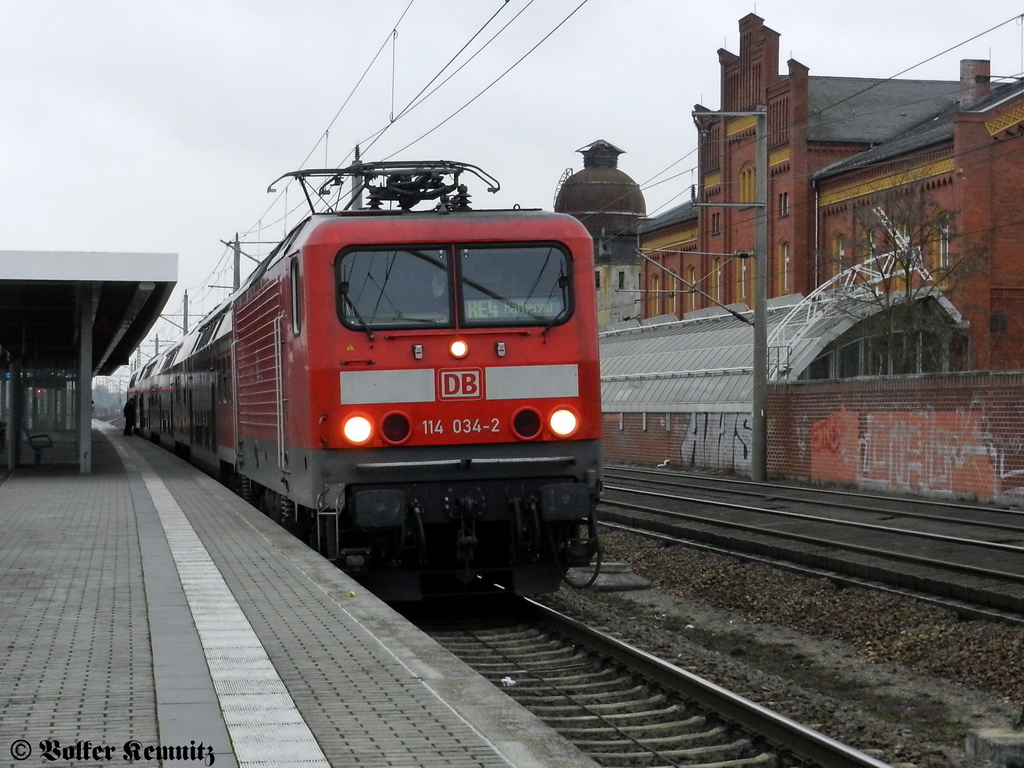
[[461, 426]]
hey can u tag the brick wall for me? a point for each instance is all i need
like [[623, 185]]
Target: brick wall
[[957, 434], [719, 441]]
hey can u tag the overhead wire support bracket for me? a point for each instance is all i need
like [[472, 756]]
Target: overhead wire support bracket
[[759, 415]]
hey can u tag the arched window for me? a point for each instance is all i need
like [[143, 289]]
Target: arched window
[[944, 235], [691, 278], [716, 279], [839, 246], [748, 185], [838, 261], [783, 266], [868, 238]]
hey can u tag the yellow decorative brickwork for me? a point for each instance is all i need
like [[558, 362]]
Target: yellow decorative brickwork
[[669, 241], [888, 182], [740, 124], [1006, 120], [712, 180], [778, 156]]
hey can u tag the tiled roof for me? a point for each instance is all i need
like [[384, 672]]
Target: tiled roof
[[685, 212], [870, 111], [935, 130]]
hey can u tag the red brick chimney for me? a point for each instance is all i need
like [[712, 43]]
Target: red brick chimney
[[974, 80]]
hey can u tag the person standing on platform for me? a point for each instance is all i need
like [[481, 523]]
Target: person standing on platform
[[129, 417]]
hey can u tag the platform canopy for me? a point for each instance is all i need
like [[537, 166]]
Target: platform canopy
[[66, 316], [39, 302]]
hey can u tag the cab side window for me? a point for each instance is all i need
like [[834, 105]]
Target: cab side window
[[296, 296]]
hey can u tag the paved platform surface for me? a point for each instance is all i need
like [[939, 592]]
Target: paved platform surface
[[148, 613]]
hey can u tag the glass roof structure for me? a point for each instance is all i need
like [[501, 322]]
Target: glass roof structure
[[704, 361]]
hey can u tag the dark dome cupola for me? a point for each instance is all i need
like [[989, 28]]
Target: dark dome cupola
[[611, 206], [606, 200]]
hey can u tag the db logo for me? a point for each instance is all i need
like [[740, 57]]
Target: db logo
[[463, 384]]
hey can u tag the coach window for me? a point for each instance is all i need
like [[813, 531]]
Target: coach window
[[514, 285], [394, 288], [296, 298]]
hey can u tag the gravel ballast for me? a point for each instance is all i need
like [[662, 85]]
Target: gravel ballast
[[896, 678]]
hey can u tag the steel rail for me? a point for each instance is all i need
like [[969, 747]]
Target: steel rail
[[1019, 528], [1013, 548], [813, 489], [961, 608], [824, 542], [782, 733]]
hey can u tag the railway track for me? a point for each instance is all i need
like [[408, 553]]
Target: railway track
[[618, 704], [965, 554]]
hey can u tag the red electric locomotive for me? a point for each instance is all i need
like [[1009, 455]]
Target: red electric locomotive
[[414, 392]]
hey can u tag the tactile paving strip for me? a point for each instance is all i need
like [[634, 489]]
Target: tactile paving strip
[[248, 687], [364, 704]]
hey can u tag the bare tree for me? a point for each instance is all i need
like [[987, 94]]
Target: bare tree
[[904, 259]]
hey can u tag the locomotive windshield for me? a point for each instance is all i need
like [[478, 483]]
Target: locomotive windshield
[[394, 288], [411, 287], [517, 285]]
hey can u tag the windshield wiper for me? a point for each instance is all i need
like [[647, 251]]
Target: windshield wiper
[[343, 288], [563, 281]]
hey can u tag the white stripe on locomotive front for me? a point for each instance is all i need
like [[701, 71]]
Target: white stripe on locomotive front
[[419, 385]]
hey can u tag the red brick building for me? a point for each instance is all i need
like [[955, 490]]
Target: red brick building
[[838, 146]]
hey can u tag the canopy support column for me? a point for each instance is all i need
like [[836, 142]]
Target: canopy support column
[[88, 298], [17, 418]]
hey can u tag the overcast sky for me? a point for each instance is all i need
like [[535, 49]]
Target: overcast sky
[[157, 126]]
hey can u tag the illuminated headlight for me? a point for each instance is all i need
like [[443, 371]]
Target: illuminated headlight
[[458, 349], [357, 429], [563, 422]]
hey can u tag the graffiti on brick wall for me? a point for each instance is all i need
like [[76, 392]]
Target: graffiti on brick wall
[[933, 451], [717, 441], [835, 447], [1009, 452]]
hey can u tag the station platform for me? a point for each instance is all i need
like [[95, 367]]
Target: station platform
[[147, 613]]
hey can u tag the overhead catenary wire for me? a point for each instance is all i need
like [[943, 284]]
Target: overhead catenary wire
[[419, 98], [494, 82], [200, 295], [416, 101], [1018, 17], [344, 104], [738, 226]]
